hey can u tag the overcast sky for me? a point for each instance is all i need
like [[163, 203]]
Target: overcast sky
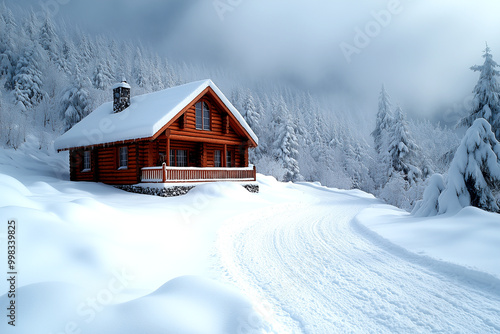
[[421, 50]]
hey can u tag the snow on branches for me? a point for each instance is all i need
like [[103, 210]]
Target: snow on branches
[[473, 178], [486, 101]]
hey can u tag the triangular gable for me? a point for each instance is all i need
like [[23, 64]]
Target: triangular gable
[[235, 124]]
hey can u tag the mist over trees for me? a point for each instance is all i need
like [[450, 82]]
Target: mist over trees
[[52, 76]]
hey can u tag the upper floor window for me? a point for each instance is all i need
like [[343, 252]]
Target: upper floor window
[[123, 158], [228, 159], [202, 116], [86, 161]]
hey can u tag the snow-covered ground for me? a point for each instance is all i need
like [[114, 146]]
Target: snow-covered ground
[[321, 271], [293, 258], [470, 238]]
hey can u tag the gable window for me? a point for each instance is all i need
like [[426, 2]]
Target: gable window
[[228, 160], [123, 158], [217, 158], [202, 116], [86, 161]]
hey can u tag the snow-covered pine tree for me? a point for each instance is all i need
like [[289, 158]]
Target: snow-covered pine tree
[[237, 96], [429, 206], [284, 141], [102, 77], [474, 174], [155, 75], [168, 75], [351, 163], [28, 78], [486, 101], [8, 48], [85, 51], [49, 39], [402, 149], [67, 59], [384, 122], [75, 100], [251, 112], [31, 27], [139, 69]]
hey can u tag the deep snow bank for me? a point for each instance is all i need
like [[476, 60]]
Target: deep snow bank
[[94, 258], [470, 238]]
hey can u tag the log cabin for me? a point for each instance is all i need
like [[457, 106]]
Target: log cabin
[[188, 133]]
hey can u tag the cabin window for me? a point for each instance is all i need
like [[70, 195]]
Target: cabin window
[[86, 161], [178, 158], [217, 158], [172, 158], [123, 161], [182, 158], [202, 116], [228, 159]]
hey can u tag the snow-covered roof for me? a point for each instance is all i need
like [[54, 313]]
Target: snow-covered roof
[[123, 84], [146, 115]]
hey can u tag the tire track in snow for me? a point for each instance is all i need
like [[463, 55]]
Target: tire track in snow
[[320, 275]]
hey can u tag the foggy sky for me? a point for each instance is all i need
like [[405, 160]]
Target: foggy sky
[[422, 51]]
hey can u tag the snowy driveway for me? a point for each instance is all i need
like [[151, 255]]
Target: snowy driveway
[[312, 271]]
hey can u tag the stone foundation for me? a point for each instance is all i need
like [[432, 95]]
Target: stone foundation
[[172, 191]]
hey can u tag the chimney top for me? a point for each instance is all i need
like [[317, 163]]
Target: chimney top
[[121, 96], [122, 84]]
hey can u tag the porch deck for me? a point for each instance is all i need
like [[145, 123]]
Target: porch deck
[[164, 174]]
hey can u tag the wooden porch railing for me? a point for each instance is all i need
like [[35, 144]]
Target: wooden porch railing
[[165, 174]]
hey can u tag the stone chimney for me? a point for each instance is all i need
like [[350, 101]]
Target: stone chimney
[[121, 96]]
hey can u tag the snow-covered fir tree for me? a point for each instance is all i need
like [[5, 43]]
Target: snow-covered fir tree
[[429, 206], [486, 101], [251, 112], [383, 123], [8, 47], [75, 100], [66, 61], [402, 149], [285, 143], [155, 76], [28, 79], [474, 175], [48, 39], [138, 71], [102, 77]]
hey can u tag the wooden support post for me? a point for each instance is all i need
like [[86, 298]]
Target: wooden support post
[[164, 172], [204, 159], [246, 161], [224, 156], [168, 152]]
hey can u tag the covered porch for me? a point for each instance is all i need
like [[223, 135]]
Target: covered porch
[[167, 174]]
